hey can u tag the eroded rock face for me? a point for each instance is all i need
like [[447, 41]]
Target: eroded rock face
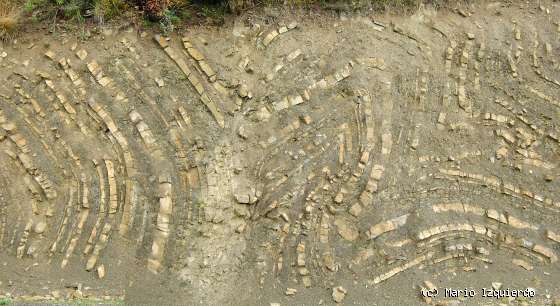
[[343, 160]]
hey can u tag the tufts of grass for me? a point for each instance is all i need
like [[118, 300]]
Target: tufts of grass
[[86, 302], [56, 9], [169, 15], [75, 10], [9, 18], [377, 5], [109, 9], [168, 22], [155, 9], [76, 302]]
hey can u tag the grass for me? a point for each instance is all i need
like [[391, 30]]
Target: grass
[[168, 21], [110, 8], [85, 302], [9, 18], [59, 9], [170, 15], [77, 302], [378, 5]]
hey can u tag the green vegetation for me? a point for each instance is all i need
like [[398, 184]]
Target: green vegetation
[[168, 15], [109, 8], [76, 302], [169, 20], [47, 9], [377, 5], [9, 18], [76, 10], [87, 302]]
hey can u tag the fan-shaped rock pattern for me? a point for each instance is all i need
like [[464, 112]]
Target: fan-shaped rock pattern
[[282, 159]]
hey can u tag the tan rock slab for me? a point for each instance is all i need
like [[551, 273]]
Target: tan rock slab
[[346, 229], [338, 294]]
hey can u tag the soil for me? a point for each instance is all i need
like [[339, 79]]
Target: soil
[[288, 158]]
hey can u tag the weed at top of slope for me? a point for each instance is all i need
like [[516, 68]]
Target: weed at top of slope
[[9, 19]]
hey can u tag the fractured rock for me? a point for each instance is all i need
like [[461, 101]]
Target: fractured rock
[[291, 291], [346, 229], [242, 198], [40, 227], [242, 132], [355, 209], [338, 294], [101, 271], [159, 82], [82, 54]]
